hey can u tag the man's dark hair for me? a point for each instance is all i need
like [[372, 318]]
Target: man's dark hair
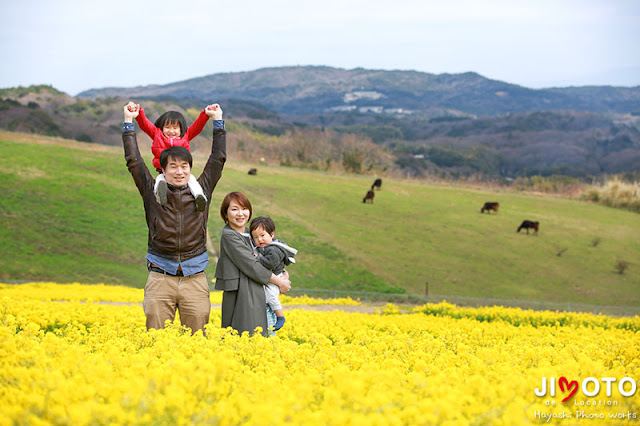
[[263, 222], [171, 117], [177, 153]]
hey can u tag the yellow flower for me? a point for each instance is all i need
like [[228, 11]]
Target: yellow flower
[[65, 360]]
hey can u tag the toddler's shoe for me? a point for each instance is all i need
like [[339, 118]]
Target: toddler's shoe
[[201, 202], [161, 193], [279, 323]]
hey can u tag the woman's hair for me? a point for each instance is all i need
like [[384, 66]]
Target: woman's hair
[[239, 198], [172, 117], [264, 222]]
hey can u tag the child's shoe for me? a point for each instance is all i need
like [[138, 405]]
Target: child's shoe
[[279, 323], [201, 202], [161, 192]]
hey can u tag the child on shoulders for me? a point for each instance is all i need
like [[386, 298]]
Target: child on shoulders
[[170, 129]]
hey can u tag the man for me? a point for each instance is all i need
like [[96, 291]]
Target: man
[[177, 253]]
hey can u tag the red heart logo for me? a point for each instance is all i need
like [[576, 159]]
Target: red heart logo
[[564, 382]]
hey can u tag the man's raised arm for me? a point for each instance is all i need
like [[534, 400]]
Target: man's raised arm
[[135, 162], [213, 169]]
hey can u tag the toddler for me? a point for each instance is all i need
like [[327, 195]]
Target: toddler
[[274, 255]]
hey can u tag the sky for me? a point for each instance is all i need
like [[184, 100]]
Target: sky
[[79, 45]]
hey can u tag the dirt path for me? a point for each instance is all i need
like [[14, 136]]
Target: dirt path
[[328, 308], [363, 309]]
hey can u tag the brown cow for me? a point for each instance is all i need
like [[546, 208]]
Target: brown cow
[[490, 206], [253, 172], [369, 196], [526, 224]]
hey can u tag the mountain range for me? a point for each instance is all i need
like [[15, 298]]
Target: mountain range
[[418, 124], [320, 90]]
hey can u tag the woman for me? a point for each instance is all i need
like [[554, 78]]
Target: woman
[[239, 274]]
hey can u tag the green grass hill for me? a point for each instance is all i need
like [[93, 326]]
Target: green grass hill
[[69, 212]]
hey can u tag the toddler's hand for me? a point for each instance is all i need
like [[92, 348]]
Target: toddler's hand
[[214, 111]]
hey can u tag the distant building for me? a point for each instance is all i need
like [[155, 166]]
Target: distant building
[[398, 111], [374, 109], [346, 108], [356, 96]]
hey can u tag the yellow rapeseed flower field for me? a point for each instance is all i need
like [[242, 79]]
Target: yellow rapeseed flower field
[[66, 357], [115, 293]]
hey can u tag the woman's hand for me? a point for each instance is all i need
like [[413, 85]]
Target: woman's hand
[[286, 286], [283, 282]]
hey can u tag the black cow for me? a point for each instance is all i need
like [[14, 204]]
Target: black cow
[[489, 206], [253, 172], [369, 196], [526, 224], [377, 184]]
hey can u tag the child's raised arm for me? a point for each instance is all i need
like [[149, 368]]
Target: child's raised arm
[[196, 128], [145, 125]]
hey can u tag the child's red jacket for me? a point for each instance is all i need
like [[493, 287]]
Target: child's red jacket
[[161, 142]]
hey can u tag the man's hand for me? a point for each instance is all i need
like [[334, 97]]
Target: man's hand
[[214, 111], [131, 111]]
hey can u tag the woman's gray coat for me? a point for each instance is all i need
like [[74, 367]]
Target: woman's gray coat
[[242, 278]]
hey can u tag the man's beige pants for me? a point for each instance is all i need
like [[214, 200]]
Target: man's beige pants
[[163, 294]]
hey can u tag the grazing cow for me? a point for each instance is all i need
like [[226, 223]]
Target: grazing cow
[[490, 206], [377, 183], [253, 172], [369, 196], [526, 224]]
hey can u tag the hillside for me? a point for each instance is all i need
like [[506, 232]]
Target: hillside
[[70, 212], [539, 143], [575, 143], [319, 90]]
